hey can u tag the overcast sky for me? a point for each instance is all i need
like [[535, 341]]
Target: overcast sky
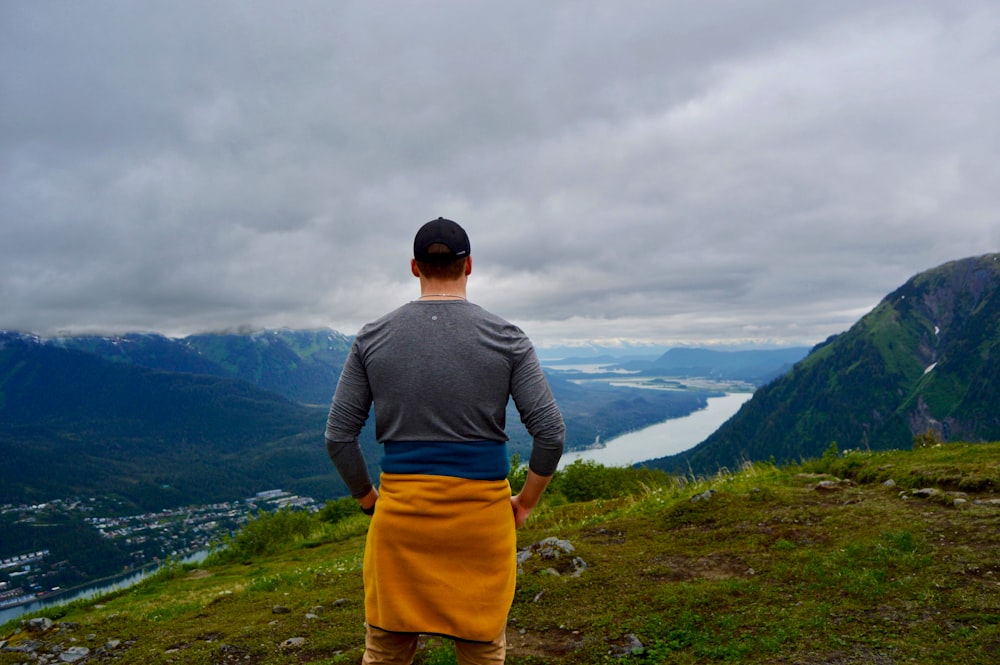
[[669, 172]]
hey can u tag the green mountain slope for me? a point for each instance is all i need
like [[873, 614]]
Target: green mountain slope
[[302, 365], [74, 423], [820, 564], [927, 358]]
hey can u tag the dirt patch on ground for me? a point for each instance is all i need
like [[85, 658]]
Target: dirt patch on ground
[[684, 568], [555, 642]]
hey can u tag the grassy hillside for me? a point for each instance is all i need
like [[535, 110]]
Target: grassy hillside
[[821, 563]]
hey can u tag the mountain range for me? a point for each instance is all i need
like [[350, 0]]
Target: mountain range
[[754, 366], [162, 421], [923, 364], [74, 423]]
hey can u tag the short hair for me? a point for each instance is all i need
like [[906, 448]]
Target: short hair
[[441, 269]]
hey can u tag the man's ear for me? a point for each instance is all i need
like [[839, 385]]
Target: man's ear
[[413, 268], [468, 265]]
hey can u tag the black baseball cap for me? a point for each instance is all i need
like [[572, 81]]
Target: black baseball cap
[[443, 231]]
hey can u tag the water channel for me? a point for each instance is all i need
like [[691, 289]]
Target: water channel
[[666, 438], [108, 585]]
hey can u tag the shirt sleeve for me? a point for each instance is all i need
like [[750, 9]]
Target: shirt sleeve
[[539, 412], [348, 413]]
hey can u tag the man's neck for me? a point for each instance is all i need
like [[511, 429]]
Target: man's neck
[[442, 289]]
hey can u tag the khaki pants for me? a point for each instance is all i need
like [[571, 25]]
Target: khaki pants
[[385, 648]]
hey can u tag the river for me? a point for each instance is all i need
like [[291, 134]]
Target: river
[[667, 438], [114, 583]]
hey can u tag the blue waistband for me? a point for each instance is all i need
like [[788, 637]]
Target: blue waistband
[[473, 460]]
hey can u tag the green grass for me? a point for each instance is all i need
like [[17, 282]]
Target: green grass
[[772, 568]]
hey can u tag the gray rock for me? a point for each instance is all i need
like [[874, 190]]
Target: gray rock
[[280, 609], [26, 646], [553, 548], [632, 647], [703, 496], [926, 492], [293, 643], [74, 654], [38, 624], [889, 483]]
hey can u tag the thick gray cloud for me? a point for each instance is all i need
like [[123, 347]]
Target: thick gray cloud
[[676, 172]]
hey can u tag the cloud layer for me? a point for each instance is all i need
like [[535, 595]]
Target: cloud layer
[[674, 172]]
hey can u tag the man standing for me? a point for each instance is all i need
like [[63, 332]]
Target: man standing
[[441, 551]]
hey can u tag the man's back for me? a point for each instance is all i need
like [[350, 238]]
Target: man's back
[[442, 371]]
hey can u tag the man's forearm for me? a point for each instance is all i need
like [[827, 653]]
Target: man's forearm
[[350, 463], [526, 500]]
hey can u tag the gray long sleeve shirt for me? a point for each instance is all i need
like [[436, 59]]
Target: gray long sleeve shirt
[[440, 371]]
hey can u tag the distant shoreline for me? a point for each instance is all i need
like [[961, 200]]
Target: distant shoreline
[[96, 587]]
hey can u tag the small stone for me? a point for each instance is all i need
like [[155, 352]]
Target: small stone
[[703, 496], [112, 644], [293, 643], [74, 654], [38, 624], [317, 610], [280, 609], [634, 647], [889, 483], [553, 548]]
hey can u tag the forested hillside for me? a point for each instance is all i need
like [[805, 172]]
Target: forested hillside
[[72, 422], [924, 362], [302, 365]]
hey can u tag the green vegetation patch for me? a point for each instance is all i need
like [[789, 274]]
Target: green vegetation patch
[[815, 563]]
